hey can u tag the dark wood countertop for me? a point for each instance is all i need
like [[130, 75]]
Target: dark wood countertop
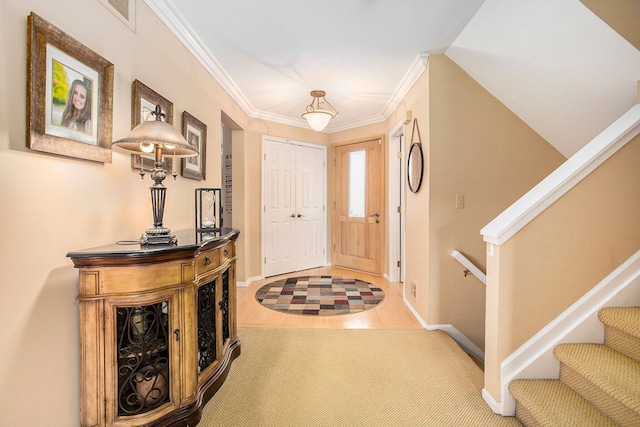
[[190, 244]]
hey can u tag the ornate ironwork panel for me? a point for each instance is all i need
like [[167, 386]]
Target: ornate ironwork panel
[[143, 358], [224, 306], [206, 325]]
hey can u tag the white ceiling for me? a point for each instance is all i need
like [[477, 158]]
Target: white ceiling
[[552, 62]]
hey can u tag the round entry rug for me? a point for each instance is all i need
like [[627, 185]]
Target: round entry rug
[[319, 295]]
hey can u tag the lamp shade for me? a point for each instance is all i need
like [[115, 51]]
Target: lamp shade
[[318, 120], [156, 133]]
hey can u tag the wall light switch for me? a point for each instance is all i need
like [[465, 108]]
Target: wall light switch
[[459, 201]]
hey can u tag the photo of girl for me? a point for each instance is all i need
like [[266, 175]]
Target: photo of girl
[[77, 112], [71, 99]]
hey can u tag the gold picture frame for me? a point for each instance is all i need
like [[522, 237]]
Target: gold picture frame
[[143, 102], [69, 95], [195, 132]]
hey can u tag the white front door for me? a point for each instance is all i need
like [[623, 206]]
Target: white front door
[[294, 213]]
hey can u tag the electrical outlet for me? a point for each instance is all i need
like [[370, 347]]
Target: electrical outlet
[[414, 289], [459, 201]]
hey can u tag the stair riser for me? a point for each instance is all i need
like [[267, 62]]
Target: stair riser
[[622, 342], [620, 413]]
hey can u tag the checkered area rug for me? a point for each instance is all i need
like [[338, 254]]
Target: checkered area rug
[[319, 295]]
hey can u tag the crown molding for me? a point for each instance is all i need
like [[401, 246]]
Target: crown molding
[[412, 75], [177, 24]]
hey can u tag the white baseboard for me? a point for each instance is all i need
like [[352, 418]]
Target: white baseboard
[[496, 407], [467, 345], [415, 313], [248, 281]]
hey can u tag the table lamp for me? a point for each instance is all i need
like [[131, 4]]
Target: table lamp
[[156, 136]]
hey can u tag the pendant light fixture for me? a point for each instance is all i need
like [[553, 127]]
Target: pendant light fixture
[[317, 115]]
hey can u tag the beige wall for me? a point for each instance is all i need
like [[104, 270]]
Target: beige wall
[[561, 255], [481, 150], [417, 225]]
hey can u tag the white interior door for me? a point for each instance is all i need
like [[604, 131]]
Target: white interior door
[[310, 207], [294, 199], [278, 176]]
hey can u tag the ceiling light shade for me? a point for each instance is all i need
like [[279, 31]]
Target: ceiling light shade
[[318, 117], [154, 136]]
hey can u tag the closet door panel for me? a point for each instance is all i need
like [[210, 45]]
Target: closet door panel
[[294, 217], [279, 221]]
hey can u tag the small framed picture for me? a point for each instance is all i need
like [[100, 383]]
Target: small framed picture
[[70, 95], [195, 132], [124, 10], [143, 102]]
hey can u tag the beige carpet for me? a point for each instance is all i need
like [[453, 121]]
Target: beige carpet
[[329, 377]]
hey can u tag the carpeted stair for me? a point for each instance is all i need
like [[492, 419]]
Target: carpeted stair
[[599, 384]]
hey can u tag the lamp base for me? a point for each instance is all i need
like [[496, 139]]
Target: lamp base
[[158, 236]]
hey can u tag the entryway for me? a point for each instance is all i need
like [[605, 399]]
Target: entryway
[[359, 216]]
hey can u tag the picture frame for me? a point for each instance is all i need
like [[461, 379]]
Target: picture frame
[[69, 95], [143, 102], [195, 132], [124, 10]]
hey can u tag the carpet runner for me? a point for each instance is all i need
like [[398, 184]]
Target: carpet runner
[[319, 295], [598, 385]]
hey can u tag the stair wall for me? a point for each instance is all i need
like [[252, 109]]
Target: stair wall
[[578, 324]]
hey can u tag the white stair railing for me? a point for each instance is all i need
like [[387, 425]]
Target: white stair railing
[[470, 267]]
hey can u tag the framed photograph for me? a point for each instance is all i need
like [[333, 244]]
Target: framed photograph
[[69, 95], [143, 102], [195, 132], [124, 10]]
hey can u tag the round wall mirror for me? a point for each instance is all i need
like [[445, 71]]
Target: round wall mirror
[[415, 167]]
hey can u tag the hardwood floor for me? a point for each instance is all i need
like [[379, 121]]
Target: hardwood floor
[[391, 313]]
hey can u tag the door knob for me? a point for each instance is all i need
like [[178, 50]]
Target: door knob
[[292, 215], [299, 215], [377, 214]]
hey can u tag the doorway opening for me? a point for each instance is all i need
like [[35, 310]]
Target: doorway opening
[[294, 224], [359, 217], [396, 200], [230, 131]]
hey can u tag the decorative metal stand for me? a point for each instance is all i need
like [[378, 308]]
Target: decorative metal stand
[[208, 210]]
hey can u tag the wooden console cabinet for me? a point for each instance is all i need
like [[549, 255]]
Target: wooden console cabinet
[[157, 329]]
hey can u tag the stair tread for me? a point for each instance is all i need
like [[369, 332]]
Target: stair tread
[[611, 371], [627, 319], [553, 403]]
